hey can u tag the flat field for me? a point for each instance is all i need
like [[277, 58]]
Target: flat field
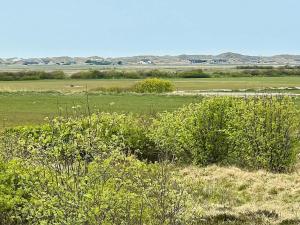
[[232, 83], [31, 107], [29, 102]]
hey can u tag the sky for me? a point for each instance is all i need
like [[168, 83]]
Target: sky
[[111, 28]]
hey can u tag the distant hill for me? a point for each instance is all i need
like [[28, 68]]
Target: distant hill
[[227, 58]]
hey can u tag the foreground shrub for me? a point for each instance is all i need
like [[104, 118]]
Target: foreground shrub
[[84, 137], [257, 132], [112, 189], [82, 171], [153, 85], [264, 134]]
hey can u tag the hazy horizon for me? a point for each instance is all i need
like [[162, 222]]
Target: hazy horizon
[[139, 55]]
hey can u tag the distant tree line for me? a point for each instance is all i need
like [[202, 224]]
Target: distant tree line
[[31, 75], [274, 72], [143, 74], [267, 67]]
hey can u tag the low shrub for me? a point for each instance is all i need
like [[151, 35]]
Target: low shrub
[[264, 134], [82, 171], [112, 189], [254, 133], [153, 85], [85, 137]]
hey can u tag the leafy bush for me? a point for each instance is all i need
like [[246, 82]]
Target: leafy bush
[[253, 133], [153, 85], [264, 135], [15, 191], [81, 171], [85, 137], [112, 189]]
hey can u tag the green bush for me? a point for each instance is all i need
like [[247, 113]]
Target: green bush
[[258, 132], [112, 189], [82, 171], [153, 85], [264, 134], [85, 137], [15, 191]]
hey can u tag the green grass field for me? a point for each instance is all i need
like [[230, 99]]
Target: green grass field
[[32, 108], [21, 103], [180, 84]]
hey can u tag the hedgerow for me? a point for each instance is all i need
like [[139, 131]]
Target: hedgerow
[[31, 75]]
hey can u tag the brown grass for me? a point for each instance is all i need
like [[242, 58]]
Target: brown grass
[[233, 196]]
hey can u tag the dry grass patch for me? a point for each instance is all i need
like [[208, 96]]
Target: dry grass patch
[[234, 196]]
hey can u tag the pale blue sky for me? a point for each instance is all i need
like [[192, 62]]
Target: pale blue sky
[[35, 28]]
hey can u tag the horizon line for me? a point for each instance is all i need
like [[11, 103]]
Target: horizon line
[[148, 54]]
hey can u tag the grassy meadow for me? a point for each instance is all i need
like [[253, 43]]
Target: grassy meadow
[[25, 108], [233, 83], [29, 102]]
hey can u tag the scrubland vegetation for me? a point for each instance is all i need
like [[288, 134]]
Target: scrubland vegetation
[[240, 71], [119, 152], [112, 168]]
